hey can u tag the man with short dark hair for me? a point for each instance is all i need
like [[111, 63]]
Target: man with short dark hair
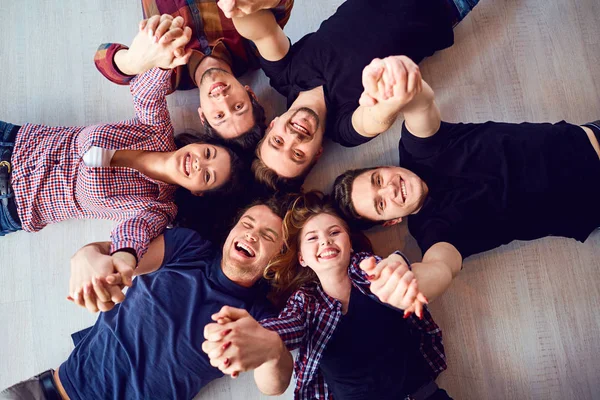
[[326, 73], [469, 188], [149, 347], [217, 55]]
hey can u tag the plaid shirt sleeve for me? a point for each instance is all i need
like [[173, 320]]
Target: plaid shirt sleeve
[[137, 232], [292, 323], [149, 92], [104, 59]]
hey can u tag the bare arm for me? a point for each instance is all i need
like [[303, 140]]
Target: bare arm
[[237, 343], [393, 86], [441, 263], [262, 29]]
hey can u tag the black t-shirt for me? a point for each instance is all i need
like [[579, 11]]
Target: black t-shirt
[[359, 31], [372, 354], [492, 183]]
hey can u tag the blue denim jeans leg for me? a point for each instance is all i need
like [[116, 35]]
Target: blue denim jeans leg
[[464, 7], [8, 224]]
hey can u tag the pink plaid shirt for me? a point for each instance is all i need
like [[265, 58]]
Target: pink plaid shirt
[[52, 183], [310, 317]]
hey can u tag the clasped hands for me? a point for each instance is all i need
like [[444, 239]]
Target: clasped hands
[[395, 284], [392, 81]]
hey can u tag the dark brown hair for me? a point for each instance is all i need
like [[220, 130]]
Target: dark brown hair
[[342, 194]]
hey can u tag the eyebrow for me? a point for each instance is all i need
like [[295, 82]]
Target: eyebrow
[[375, 200], [249, 217]]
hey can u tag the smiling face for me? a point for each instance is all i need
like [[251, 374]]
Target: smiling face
[[292, 142], [388, 193], [324, 244], [252, 243], [225, 103], [200, 167]]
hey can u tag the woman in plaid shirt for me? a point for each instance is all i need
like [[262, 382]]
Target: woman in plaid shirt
[[344, 316], [126, 171]]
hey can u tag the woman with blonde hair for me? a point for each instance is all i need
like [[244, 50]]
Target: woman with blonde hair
[[344, 316]]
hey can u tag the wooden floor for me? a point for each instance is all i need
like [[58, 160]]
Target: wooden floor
[[520, 322]]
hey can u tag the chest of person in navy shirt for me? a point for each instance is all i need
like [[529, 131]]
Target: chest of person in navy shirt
[[150, 346]]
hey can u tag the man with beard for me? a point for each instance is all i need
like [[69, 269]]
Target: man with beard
[[321, 75], [149, 346], [468, 188], [217, 56]]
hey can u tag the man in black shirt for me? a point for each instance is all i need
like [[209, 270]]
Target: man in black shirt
[[469, 188], [323, 75]]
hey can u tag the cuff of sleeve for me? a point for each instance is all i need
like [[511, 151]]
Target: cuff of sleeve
[[105, 62], [136, 248]]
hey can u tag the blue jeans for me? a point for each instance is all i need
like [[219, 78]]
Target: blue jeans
[[9, 221], [464, 7]]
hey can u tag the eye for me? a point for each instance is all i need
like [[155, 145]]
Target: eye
[[268, 238], [379, 181], [311, 238], [246, 225], [239, 106], [334, 233], [206, 177], [219, 116], [380, 205], [298, 154], [277, 140], [207, 153]]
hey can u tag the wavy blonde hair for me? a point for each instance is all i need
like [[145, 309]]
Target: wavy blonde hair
[[285, 273]]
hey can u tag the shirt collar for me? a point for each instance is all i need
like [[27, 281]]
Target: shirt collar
[[215, 274]]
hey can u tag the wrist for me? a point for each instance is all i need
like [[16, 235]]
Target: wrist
[[123, 63], [277, 347], [128, 256]]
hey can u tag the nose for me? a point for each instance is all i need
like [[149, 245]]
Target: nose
[[250, 236], [387, 190], [325, 241]]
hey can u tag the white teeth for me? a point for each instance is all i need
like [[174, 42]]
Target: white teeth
[[218, 90], [188, 162], [403, 189], [248, 249], [300, 127], [329, 253]]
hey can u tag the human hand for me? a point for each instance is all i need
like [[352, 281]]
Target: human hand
[[160, 42], [97, 279], [238, 343], [395, 81], [241, 8], [393, 283]]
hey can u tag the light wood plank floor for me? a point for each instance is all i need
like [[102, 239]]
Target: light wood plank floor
[[520, 322]]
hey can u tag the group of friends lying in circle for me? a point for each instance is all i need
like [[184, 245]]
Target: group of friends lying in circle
[[294, 271]]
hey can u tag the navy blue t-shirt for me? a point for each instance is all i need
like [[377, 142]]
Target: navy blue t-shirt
[[149, 346]]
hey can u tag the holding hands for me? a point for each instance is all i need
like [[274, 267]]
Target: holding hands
[[242, 8], [97, 279], [160, 42], [395, 81], [236, 342], [393, 283]]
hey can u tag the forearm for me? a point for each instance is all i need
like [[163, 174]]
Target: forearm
[[441, 263], [273, 377], [370, 121], [422, 115]]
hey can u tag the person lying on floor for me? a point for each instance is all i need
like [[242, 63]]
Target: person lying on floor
[[344, 315], [467, 188]]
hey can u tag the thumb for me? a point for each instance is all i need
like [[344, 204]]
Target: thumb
[[125, 270], [230, 312], [181, 60], [368, 264], [366, 100]]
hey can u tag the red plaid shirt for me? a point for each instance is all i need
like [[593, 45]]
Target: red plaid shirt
[[52, 183], [212, 34], [310, 317]]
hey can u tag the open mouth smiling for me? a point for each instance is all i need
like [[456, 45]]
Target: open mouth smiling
[[328, 253], [187, 164], [217, 88], [244, 249]]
